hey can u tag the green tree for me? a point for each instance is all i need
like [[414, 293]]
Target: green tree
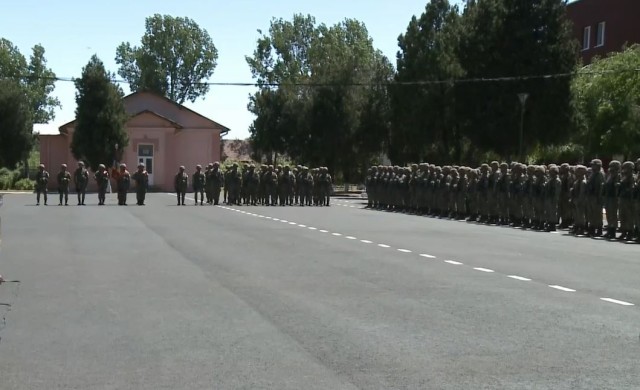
[[16, 124], [607, 97], [100, 116], [424, 119], [175, 58], [34, 76], [330, 78], [510, 39]]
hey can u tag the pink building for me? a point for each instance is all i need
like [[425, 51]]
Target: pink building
[[162, 134]]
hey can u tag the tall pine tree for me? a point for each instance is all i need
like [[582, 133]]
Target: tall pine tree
[[100, 116]]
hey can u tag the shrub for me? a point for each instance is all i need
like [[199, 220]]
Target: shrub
[[25, 185]]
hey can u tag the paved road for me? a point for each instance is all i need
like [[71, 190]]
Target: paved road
[[166, 297]]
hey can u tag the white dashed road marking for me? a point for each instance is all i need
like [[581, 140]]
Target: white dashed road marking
[[487, 270], [516, 277], [623, 303], [562, 288]]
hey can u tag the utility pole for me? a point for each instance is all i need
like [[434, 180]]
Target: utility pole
[[523, 101]]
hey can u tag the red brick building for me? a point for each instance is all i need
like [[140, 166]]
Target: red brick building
[[604, 26]]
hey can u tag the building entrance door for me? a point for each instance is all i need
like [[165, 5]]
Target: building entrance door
[[145, 156]]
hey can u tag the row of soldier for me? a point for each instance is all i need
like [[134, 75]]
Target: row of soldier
[[267, 186], [526, 196]]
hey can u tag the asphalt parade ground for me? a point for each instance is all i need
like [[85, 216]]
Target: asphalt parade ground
[[202, 297]]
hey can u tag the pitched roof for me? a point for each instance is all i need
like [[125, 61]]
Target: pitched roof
[[224, 129], [174, 123]]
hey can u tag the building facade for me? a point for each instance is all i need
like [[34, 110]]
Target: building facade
[[162, 134], [604, 26]]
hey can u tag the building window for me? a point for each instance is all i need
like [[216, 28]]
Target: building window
[[586, 38], [600, 37]]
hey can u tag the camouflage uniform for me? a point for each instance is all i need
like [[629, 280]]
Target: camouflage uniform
[[595, 200], [181, 183], [579, 200], [42, 181], [216, 180], [199, 183], [122, 184], [141, 177], [610, 194], [626, 191], [81, 179], [102, 179], [552, 191], [64, 179]]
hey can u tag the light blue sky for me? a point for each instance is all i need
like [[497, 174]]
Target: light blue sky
[[71, 31]]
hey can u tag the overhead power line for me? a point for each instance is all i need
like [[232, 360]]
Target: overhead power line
[[370, 84]]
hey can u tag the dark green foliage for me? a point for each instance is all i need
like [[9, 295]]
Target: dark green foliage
[[333, 123], [16, 126], [175, 55], [100, 116], [503, 38]]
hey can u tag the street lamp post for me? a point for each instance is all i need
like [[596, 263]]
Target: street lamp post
[[523, 100]]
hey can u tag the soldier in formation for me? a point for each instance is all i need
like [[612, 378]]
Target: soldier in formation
[[247, 185], [102, 180], [181, 183], [141, 178], [198, 184], [538, 197], [81, 178], [42, 180], [123, 182], [64, 179]]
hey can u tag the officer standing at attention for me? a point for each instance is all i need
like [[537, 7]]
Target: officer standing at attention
[[141, 177], [81, 178], [102, 179], [123, 184], [64, 179], [181, 184], [42, 180], [199, 182]]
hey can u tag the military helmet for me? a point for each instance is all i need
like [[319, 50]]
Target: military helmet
[[101, 166], [628, 166], [41, 165], [596, 161], [141, 165], [63, 165], [80, 163], [198, 166], [504, 166], [123, 165], [615, 164], [554, 169]]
